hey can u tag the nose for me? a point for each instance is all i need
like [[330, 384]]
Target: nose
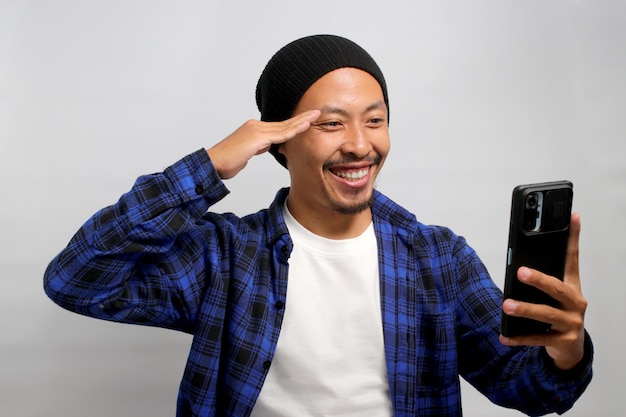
[[356, 142]]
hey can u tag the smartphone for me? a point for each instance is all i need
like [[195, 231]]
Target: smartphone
[[538, 236]]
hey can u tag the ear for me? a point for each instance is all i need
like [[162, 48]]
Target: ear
[[281, 154]]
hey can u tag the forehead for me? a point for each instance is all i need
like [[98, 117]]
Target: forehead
[[343, 84]]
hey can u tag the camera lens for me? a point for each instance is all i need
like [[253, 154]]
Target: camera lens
[[531, 201], [529, 223]]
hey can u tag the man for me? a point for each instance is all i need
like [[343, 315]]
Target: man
[[334, 300]]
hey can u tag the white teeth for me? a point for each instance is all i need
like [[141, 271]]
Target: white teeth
[[353, 175]]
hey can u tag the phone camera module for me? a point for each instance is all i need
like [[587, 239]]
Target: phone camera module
[[531, 219]]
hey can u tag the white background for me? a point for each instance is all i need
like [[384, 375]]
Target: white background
[[484, 95]]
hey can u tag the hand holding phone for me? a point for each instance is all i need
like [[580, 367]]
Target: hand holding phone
[[538, 238]]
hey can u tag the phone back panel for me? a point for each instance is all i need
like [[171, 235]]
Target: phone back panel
[[539, 243]]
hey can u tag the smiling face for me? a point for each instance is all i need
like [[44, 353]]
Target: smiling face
[[334, 164]]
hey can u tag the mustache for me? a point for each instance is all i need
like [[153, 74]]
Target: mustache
[[372, 160]]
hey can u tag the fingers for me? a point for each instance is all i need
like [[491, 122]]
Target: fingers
[[268, 133], [566, 325], [567, 347], [572, 275], [302, 121], [564, 342], [291, 127], [280, 132], [566, 316], [568, 296], [560, 320]]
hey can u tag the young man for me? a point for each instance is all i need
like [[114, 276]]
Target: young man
[[334, 300]]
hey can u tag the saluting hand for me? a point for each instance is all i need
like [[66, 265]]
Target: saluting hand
[[254, 137]]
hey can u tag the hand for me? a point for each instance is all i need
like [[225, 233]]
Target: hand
[[254, 137], [565, 340]]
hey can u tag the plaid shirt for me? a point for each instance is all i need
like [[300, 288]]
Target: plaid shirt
[[157, 257]]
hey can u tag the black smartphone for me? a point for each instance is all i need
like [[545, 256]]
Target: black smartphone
[[538, 236]]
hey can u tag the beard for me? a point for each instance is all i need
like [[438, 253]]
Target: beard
[[355, 206]]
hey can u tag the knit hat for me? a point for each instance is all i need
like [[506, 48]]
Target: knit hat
[[296, 66]]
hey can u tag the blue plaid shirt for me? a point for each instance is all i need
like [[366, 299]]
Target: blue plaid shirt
[[157, 257]]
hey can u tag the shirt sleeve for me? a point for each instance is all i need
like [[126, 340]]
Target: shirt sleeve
[[141, 260], [522, 378]]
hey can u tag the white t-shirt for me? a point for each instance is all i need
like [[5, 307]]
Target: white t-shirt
[[330, 357]]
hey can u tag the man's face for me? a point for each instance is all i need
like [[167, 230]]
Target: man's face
[[334, 164]]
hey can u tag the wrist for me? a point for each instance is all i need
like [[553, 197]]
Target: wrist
[[571, 366]]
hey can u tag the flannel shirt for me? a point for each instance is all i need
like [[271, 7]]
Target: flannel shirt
[[158, 257]]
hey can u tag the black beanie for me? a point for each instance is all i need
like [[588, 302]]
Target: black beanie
[[296, 66]]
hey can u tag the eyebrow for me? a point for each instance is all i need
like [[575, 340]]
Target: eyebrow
[[339, 110]]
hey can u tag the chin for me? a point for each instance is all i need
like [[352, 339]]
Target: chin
[[353, 207]]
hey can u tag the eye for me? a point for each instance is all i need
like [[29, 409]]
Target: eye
[[329, 124], [375, 121]]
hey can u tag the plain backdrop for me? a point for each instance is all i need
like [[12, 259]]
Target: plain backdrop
[[485, 95]]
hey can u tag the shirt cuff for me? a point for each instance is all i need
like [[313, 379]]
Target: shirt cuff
[[195, 177]]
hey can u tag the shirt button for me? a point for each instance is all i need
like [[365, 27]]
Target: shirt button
[[279, 305], [284, 252], [267, 364], [199, 189]]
